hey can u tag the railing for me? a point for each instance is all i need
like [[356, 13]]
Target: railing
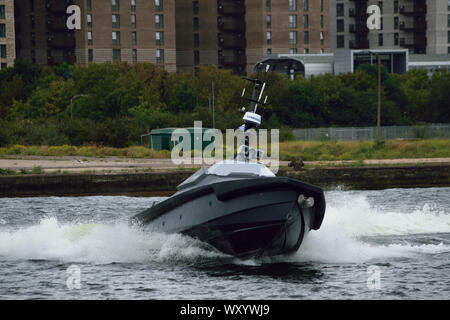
[[410, 10], [231, 25], [232, 60], [231, 7], [416, 26], [227, 41], [60, 42], [359, 44], [410, 42], [57, 23], [58, 6], [358, 28], [432, 131]]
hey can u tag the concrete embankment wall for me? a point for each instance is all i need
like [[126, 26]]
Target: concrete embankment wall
[[164, 183]]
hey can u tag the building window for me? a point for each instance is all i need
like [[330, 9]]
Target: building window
[[305, 37], [2, 11], [380, 39], [292, 5], [293, 37], [116, 55], [269, 37], [196, 40], [380, 4], [33, 22], [305, 5], [292, 21], [133, 5], [89, 20], [448, 5], [133, 21], [160, 55], [195, 7], [89, 5], [90, 55], [196, 23], [322, 37], [269, 5], [159, 36], [116, 21], [4, 65], [396, 23], [89, 36], [33, 56], [321, 21], [159, 21], [293, 51], [269, 51], [339, 10], [115, 6], [134, 55], [133, 38], [3, 51], [33, 39], [381, 23], [306, 50], [448, 36], [158, 5], [448, 20], [305, 21], [395, 39], [340, 41], [448, 50], [268, 21], [116, 38], [31, 5], [395, 6], [2, 30], [340, 25], [196, 57], [321, 5]]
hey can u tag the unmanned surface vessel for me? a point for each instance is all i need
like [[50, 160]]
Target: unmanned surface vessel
[[240, 207]]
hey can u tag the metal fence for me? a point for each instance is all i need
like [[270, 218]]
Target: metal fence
[[432, 131]]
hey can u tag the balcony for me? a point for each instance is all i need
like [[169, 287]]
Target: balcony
[[58, 6], [233, 25], [236, 8], [359, 44], [352, 12], [57, 23], [413, 27], [232, 60], [413, 43], [61, 41], [358, 29], [229, 42], [413, 11]]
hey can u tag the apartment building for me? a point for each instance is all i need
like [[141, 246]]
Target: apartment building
[[421, 26], [238, 33], [7, 34], [111, 30]]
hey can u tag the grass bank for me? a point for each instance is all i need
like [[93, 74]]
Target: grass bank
[[365, 150], [84, 151], [309, 150]]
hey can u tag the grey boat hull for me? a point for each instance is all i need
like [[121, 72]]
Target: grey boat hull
[[244, 218]]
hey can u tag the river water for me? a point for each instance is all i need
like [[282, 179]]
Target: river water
[[389, 244]]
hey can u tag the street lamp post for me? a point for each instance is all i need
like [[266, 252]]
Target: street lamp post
[[379, 91], [379, 99], [71, 100]]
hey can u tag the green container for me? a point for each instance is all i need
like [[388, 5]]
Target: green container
[[160, 139]]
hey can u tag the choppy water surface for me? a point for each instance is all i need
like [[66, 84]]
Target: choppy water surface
[[405, 233]]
